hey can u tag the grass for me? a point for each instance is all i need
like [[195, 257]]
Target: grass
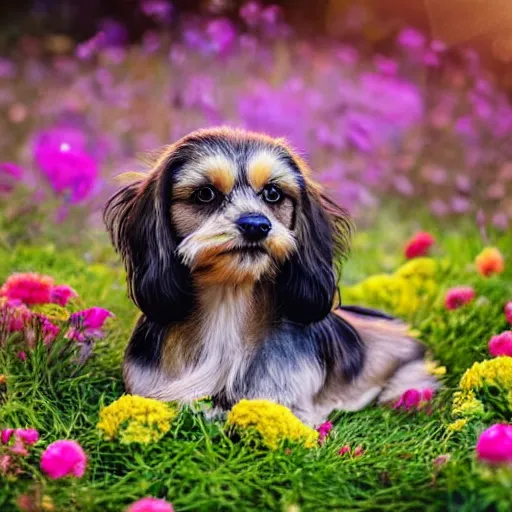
[[197, 466]]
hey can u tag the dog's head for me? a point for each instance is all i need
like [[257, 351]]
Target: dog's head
[[228, 207]]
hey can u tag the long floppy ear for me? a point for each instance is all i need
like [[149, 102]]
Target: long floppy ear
[[308, 281], [138, 220]]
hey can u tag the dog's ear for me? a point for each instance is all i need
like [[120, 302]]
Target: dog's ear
[[307, 284], [138, 220]]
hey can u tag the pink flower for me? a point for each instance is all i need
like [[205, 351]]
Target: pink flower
[[323, 431], [10, 174], [6, 434], [22, 356], [14, 315], [495, 444], [29, 288], [64, 458], [87, 324], [61, 294], [5, 463], [414, 399], [344, 449], [150, 505], [358, 451], [49, 330], [27, 435], [501, 345], [419, 245], [508, 312], [459, 296]]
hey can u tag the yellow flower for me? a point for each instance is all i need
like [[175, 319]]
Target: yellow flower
[[54, 312], [434, 369], [466, 404], [494, 372], [275, 423], [135, 419], [457, 425], [418, 268]]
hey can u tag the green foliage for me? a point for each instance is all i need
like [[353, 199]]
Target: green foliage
[[197, 466]]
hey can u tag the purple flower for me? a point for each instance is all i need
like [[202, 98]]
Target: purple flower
[[411, 38], [222, 34], [87, 324], [159, 10], [10, 174], [251, 13]]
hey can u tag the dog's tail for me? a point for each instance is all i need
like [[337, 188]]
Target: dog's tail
[[395, 359]]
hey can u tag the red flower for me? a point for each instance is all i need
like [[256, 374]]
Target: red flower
[[29, 288], [501, 345], [459, 296], [419, 245]]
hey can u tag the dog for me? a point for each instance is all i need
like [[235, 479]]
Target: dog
[[232, 254]]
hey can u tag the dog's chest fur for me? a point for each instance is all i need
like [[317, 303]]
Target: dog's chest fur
[[215, 346]]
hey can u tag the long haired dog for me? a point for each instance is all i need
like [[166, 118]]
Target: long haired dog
[[230, 250]]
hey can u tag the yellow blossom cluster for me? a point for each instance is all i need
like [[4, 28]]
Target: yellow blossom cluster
[[457, 425], [134, 419], [273, 422], [401, 293], [470, 399]]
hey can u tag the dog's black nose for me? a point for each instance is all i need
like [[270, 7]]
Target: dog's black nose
[[254, 227]]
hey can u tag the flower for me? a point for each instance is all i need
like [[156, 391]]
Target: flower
[[64, 458], [433, 368], [494, 445], [150, 505], [27, 435], [414, 399], [459, 296], [14, 315], [344, 449], [10, 173], [49, 330], [87, 324], [496, 372], [501, 345], [29, 288], [61, 294], [508, 312], [457, 425], [358, 451], [275, 423], [135, 419], [419, 245], [22, 355], [6, 434], [323, 431], [490, 261]]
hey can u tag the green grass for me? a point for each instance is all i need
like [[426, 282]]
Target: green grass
[[197, 466]]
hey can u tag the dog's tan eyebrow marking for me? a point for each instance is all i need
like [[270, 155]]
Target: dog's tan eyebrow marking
[[266, 167], [216, 170]]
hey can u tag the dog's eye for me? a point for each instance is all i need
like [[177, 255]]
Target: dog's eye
[[205, 195], [271, 194]]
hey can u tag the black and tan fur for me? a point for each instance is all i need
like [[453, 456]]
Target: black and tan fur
[[234, 319]]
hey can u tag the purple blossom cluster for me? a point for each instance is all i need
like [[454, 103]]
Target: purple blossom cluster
[[422, 122]]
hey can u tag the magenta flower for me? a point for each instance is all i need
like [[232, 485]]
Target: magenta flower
[[459, 296], [22, 355], [508, 312], [6, 434], [251, 13], [494, 445], [64, 458], [27, 435], [222, 34], [87, 324], [49, 330], [150, 505], [501, 345], [323, 431], [61, 294], [411, 38], [414, 399]]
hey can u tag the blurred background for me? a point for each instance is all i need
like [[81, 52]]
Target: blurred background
[[396, 104]]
